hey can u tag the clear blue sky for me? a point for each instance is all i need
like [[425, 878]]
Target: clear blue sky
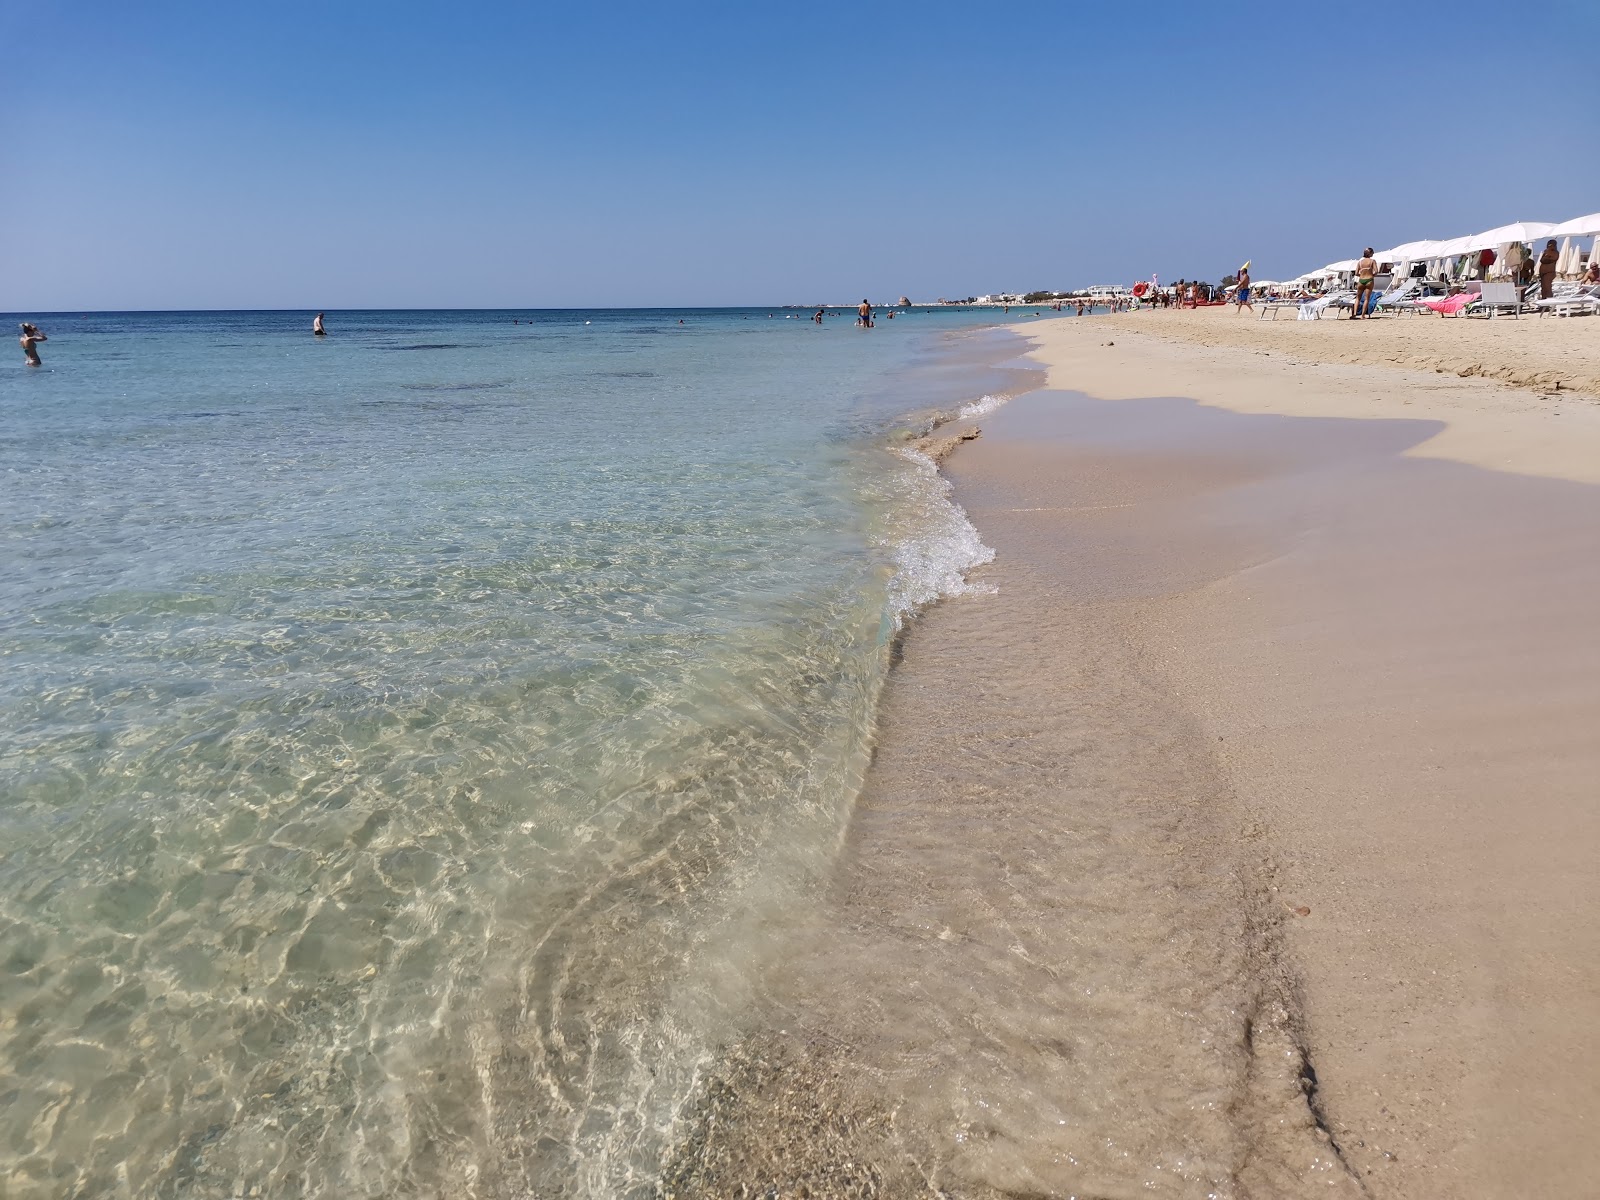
[[397, 154]]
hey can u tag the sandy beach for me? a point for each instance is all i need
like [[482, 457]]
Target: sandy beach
[[1398, 677], [1241, 842]]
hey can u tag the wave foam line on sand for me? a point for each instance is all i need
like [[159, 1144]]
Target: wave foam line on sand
[[982, 406], [932, 561]]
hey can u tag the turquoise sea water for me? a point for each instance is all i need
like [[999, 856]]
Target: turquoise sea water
[[414, 738]]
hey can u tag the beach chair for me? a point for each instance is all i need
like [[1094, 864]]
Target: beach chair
[[1451, 306], [1578, 302], [1272, 306], [1315, 310], [1496, 298], [1400, 299]]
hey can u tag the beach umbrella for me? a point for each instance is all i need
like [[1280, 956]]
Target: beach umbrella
[[1577, 227], [1348, 264], [1517, 231], [1567, 261], [1412, 251]]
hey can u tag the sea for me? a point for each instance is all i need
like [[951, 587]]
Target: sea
[[415, 741]]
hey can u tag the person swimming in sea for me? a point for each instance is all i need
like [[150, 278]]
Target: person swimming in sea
[[30, 339], [316, 327]]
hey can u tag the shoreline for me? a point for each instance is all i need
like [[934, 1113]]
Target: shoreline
[[1183, 862]]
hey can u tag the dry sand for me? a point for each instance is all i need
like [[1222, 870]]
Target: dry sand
[[1250, 365]]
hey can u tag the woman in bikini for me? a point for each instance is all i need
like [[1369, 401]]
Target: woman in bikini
[[30, 338], [1366, 276]]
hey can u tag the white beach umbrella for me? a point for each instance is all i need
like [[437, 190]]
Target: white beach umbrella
[[1577, 227], [1414, 251], [1348, 264], [1517, 231], [1567, 261]]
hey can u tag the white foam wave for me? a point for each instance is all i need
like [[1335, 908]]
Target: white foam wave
[[982, 405], [938, 544]]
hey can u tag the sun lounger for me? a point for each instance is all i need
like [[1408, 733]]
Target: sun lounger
[[1272, 306], [1451, 306], [1398, 299], [1314, 310], [1575, 302], [1497, 297]]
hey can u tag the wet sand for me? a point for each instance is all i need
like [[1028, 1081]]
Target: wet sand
[[1242, 842]]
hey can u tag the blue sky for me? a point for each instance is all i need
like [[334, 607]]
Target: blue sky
[[398, 155]]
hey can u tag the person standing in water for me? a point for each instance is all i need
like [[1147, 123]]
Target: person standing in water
[[316, 327], [818, 317], [864, 317], [30, 338]]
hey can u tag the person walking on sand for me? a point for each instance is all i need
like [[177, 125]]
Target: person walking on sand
[[1366, 276], [316, 327], [1241, 297], [1547, 269], [31, 337]]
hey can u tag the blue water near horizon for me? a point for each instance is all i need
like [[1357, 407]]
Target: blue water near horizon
[[415, 737]]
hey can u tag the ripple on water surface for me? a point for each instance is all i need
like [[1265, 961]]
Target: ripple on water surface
[[400, 793]]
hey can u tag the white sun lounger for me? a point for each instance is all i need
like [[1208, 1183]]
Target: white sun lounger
[[1314, 310], [1272, 306], [1578, 303], [1398, 299], [1498, 296]]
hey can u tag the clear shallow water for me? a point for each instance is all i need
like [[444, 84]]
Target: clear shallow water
[[415, 738]]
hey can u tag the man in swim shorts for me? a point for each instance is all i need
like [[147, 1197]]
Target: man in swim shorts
[[30, 338], [1366, 276], [864, 315], [1241, 297], [316, 327]]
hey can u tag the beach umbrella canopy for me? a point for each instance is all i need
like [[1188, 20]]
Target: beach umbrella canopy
[[1457, 246], [1412, 251], [1577, 227], [1517, 231], [1348, 264]]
